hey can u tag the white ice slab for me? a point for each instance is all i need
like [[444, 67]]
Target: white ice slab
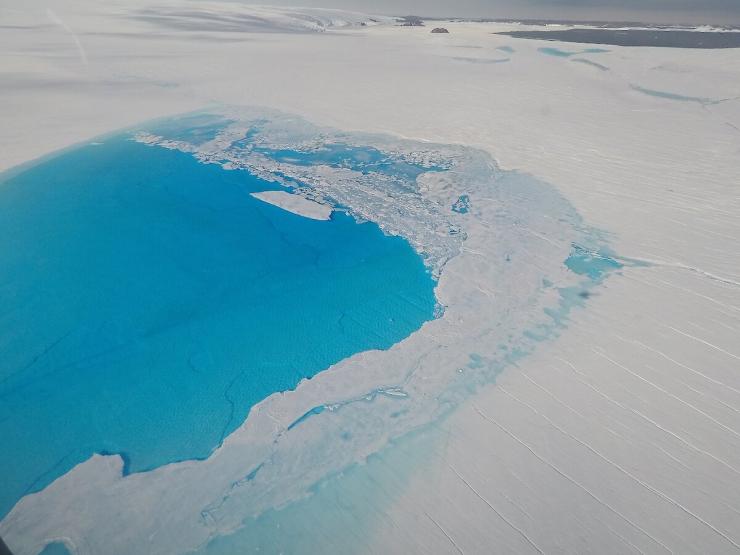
[[296, 204]]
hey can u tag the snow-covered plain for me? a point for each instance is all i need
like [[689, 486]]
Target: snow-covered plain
[[621, 434]]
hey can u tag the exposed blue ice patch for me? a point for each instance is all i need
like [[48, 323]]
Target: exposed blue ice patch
[[481, 60], [590, 63], [591, 263], [462, 204], [253, 474], [507, 49], [594, 265], [393, 392], [675, 96], [476, 361], [550, 51], [556, 52], [148, 301], [307, 415]]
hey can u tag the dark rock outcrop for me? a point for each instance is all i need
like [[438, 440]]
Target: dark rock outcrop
[[439, 30]]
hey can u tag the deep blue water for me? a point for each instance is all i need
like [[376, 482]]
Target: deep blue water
[[147, 301]]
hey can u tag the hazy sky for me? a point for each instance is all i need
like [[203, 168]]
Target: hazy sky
[[669, 11]]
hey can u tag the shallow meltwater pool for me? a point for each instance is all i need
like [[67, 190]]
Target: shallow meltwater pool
[[559, 53], [148, 302]]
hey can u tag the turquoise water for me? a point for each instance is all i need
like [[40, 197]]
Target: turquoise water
[[602, 67], [462, 204], [147, 301], [566, 54], [592, 264], [556, 52], [362, 159], [673, 96], [350, 508], [482, 60], [55, 548]]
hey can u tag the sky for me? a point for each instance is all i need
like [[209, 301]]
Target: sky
[[668, 11]]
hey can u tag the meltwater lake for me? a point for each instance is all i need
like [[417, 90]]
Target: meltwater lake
[[147, 302]]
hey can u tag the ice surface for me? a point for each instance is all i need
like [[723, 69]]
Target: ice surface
[[620, 436], [236, 18]]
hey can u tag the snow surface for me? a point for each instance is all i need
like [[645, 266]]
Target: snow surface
[[620, 435], [238, 18]]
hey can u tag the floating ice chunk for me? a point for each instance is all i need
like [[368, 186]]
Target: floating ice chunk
[[296, 204]]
